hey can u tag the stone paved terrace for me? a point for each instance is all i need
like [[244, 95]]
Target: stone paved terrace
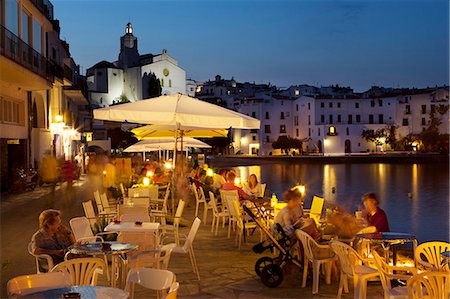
[[226, 272]]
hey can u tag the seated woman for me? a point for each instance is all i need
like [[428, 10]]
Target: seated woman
[[52, 238], [252, 187], [291, 217], [373, 214]]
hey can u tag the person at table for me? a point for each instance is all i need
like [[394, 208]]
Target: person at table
[[219, 179], [252, 187], [52, 238], [229, 185], [291, 217], [373, 214]]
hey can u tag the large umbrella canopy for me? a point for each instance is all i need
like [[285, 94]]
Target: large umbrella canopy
[[177, 110], [156, 144], [151, 131]]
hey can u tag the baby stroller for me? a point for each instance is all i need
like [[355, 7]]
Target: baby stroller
[[269, 269]]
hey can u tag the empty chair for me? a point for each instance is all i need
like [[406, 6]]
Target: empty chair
[[127, 209], [217, 214], [89, 212], [105, 204], [82, 230], [98, 202], [387, 274], [137, 201], [135, 217], [429, 255], [82, 271], [172, 230], [153, 279], [199, 200], [208, 206], [172, 291], [318, 255], [28, 284], [187, 247], [160, 210], [39, 258], [158, 258], [429, 285], [123, 193], [352, 266], [241, 226]]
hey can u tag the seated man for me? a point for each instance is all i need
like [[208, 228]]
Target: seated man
[[373, 214], [229, 185], [52, 238]]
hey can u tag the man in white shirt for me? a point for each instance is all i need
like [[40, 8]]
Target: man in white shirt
[[219, 179]]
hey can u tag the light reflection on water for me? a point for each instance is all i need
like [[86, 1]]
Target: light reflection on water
[[425, 213]]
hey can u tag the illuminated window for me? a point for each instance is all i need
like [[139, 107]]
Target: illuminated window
[[332, 131]]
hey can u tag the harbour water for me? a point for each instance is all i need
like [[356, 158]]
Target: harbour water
[[414, 196]]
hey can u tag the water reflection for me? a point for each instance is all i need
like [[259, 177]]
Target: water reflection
[[425, 214]]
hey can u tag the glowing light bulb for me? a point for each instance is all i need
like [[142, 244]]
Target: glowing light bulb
[[237, 181], [302, 189], [168, 165], [149, 174], [104, 172], [209, 172], [146, 181]]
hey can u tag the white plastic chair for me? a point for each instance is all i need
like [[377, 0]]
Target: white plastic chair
[[387, 274], [429, 285], [98, 202], [187, 248], [173, 230], [135, 217], [160, 209], [429, 255], [137, 201], [217, 214], [82, 230], [228, 196], [89, 212], [131, 209], [82, 271], [199, 200], [46, 257], [153, 279], [105, 203], [158, 258], [311, 254], [28, 284], [241, 225], [172, 291], [352, 266]]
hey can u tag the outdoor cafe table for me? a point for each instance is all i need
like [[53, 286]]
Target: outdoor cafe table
[[387, 239], [88, 292], [132, 227], [117, 249]]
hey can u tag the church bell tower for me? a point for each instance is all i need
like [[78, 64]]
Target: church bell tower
[[129, 55]]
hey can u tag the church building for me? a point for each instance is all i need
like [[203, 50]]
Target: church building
[[127, 79]]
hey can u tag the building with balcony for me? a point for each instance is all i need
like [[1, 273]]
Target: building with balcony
[[36, 74]]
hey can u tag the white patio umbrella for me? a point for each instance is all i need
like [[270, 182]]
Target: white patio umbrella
[[155, 144]]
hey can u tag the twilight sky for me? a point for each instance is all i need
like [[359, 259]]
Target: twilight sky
[[356, 43]]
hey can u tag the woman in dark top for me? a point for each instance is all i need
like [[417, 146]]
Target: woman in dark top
[[373, 214]]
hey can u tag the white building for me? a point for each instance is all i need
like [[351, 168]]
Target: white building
[[128, 77], [334, 123]]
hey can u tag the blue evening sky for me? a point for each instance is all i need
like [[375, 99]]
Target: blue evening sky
[[356, 43]]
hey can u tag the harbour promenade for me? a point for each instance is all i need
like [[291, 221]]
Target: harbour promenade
[[226, 272]]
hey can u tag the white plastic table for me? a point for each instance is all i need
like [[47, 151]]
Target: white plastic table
[[132, 227]]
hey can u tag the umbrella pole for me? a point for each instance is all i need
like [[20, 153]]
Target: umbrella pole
[[143, 156]]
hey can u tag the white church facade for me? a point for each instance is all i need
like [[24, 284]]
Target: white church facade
[[128, 77]]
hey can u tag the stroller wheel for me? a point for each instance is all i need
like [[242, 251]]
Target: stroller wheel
[[261, 263], [272, 275]]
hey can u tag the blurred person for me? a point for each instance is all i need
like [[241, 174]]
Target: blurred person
[[49, 170], [291, 217], [86, 162], [373, 214], [252, 187], [52, 238], [229, 185], [109, 175], [69, 172], [79, 161], [219, 179], [207, 185]]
